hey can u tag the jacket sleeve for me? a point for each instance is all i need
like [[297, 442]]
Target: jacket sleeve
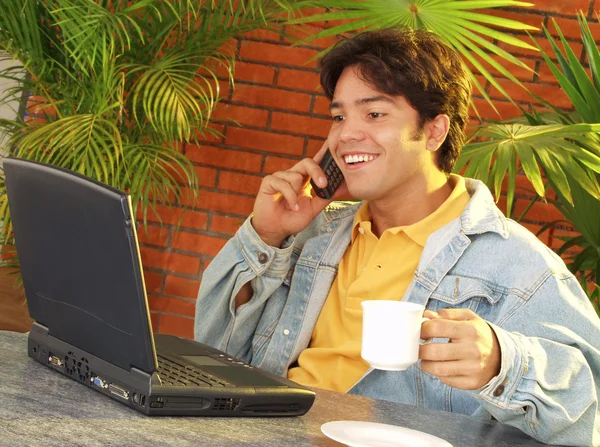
[[245, 258], [549, 382]]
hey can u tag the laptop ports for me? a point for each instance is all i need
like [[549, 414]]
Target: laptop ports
[[55, 361], [99, 382], [118, 391]]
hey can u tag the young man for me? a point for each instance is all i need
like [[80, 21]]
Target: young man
[[515, 336]]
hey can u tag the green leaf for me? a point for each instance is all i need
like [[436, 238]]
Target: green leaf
[[454, 20]]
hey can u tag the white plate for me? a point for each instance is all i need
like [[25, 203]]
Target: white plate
[[372, 434]]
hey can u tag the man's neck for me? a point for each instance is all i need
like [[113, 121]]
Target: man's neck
[[410, 205]]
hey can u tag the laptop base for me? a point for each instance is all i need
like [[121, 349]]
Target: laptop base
[[145, 393]]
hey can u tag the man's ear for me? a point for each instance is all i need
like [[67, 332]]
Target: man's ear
[[436, 131]]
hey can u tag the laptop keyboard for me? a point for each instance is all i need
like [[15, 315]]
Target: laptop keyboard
[[172, 373]]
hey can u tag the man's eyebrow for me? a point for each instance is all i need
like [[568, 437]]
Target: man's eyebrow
[[363, 101]]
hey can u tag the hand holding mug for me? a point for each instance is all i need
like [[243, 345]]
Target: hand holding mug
[[471, 359]]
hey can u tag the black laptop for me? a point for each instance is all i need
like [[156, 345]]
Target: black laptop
[[78, 251]]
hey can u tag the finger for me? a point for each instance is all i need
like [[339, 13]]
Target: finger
[[444, 328], [295, 179], [457, 314], [442, 352], [452, 368], [430, 314], [273, 185], [309, 169], [463, 382]]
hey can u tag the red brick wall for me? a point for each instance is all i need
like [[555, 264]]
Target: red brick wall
[[282, 117]]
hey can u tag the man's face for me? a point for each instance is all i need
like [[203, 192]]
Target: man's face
[[383, 132]]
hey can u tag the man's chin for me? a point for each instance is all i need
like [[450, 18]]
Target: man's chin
[[361, 193]]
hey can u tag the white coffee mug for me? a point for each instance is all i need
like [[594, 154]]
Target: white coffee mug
[[391, 333]]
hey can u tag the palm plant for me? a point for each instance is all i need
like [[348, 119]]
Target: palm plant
[[116, 86], [566, 146], [469, 32]]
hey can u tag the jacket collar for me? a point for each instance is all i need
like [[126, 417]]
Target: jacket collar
[[481, 214]]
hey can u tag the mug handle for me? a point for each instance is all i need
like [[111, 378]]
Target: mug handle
[[429, 340]]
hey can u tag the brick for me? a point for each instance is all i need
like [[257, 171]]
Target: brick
[[207, 177], [265, 141], [563, 6], [297, 33], [153, 235], [522, 74], [223, 89], [175, 216], [313, 147], [153, 281], [214, 137], [172, 305], [170, 261], [570, 28], [237, 182], [225, 224], [248, 116], [181, 287], [175, 325], [224, 158], [321, 106], [545, 46], [271, 98], [277, 54], [255, 73], [275, 164], [227, 203], [306, 125], [540, 212], [545, 75], [299, 80], [505, 108], [552, 93], [263, 34], [198, 243]]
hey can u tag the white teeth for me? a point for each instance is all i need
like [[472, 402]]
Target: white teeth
[[358, 158]]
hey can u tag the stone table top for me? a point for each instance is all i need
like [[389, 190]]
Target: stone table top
[[41, 407]]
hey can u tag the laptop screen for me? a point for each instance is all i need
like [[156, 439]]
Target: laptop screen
[[80, 263]]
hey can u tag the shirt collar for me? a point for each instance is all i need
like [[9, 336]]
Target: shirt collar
[[452, 208]]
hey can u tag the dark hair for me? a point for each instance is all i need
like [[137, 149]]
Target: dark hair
[[415, 64]]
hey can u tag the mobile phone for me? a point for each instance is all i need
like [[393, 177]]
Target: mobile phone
[[334, 176]]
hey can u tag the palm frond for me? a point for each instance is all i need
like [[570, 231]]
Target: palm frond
[[456, 21], [149, 173], [519, 146]]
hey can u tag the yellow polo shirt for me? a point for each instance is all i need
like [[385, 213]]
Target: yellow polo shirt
[[371, 269]]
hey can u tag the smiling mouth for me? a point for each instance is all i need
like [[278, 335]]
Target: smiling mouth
[[356, 159]]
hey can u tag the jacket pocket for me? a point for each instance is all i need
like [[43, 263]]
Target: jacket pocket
[[478, 295]]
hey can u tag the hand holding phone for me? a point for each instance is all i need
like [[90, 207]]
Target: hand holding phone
[[332, 173]]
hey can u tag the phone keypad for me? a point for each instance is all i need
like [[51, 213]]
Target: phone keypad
[[334, 178]]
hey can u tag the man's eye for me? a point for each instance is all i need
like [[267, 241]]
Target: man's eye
[[337, 118], [375, 115]]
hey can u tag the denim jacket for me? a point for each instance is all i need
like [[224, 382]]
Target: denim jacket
[[549, 334]]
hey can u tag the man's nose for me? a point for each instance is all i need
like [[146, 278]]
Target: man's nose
[[351, 131]]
